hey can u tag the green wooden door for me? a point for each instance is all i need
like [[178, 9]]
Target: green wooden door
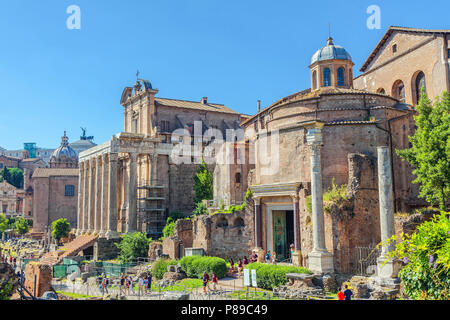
[[279, 234]]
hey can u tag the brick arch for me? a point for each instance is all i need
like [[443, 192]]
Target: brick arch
[[399, 90], [222, 222], [414, 85], [238, 222]]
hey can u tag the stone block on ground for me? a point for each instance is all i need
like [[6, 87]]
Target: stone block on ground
[[173, 295]]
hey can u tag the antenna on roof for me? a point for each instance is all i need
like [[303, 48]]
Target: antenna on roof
[[137, 74]]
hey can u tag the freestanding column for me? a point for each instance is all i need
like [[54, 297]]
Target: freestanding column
[[132, 194], [319, 259], [387, 269], [112, 197]]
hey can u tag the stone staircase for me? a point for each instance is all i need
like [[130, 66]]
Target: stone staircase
[[69, 250]]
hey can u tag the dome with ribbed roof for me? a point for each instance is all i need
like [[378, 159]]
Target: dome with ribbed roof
[[64, 156], [330, 52]]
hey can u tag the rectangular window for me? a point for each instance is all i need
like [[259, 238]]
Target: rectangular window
[[69, 190]]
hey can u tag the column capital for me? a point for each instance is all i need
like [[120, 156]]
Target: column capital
[[295, 197], [257, 200], [113, 157]]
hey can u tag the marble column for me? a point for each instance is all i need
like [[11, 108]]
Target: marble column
[[387, 268], [297, 255], [85, 197], [91, 200], [258, 223], [132, 194], [112, 197], [104, 195], [98, 190], [319, 259], [80, 199]]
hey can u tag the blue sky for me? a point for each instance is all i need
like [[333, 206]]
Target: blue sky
[[234, 52]]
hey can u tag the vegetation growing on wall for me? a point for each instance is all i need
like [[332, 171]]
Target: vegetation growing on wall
[[336, 195]]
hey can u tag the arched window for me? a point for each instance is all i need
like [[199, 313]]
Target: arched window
[[314, 80], [340, 76], [326, 77], [381, 90], [398, 91], [420, 83]]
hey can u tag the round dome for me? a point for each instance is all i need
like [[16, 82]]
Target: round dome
[[330, 52], [64, 154]]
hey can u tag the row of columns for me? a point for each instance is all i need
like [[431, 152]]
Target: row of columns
[[97, 196]]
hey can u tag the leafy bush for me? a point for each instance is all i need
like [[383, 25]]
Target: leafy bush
[[60, 229], [159, 268], [132, 246], [200, 209], [21, 226], [426, 254], [169, 228], [194, 266], [203, 183], [271, 276]]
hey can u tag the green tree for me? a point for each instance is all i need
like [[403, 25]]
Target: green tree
[[13, 176], [21, 226], [5, 174], [203, 183], [16, 177], [132, 246], [3, 223], [430, 151], [60, 229]]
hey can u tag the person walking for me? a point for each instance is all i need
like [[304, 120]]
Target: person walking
[[149, 282], [245, 261], [268, 257], [215, 281], [141, 284], [205, 280], [240, 267], [340, 294], [122, 284], [348, 293], [145, 284], [231, 267], [105, 283], [274, 257]]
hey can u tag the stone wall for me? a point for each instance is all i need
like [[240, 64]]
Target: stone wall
[[43, 273], [225, 235], [105, 249], [407, 224], [182, 238]]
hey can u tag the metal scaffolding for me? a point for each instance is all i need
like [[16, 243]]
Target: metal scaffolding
[[152, 214]]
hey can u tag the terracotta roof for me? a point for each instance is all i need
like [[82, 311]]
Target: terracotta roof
[[31, 160], [386, 36], [311, 94], [194, 105], [47, 172]]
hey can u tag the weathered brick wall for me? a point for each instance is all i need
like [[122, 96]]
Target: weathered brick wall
[[405, 67], [43, 275], [181, 186], [224, 235]]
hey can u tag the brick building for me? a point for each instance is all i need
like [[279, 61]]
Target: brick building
[[398, 67], [55, 189], [353, 123]]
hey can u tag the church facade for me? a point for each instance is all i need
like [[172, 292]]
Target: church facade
[[132, 183]]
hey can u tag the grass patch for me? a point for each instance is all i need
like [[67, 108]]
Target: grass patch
[[75, 295]]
